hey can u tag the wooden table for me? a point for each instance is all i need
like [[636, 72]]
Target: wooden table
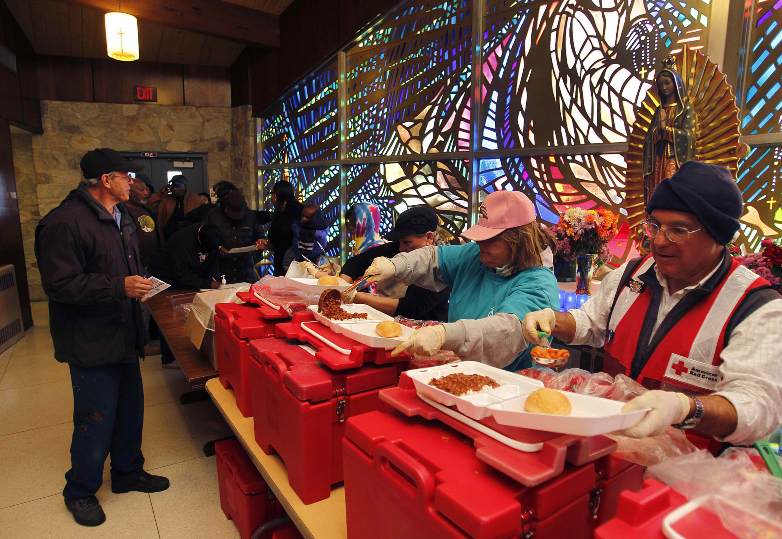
[[170, 320], [322, 520]]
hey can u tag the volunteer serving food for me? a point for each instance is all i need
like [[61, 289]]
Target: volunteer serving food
[[688, 322], [495, 280]]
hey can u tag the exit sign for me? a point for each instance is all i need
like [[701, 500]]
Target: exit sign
[[145, 93]]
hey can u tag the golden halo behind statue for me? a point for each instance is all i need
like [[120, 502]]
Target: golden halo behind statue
[[716, 126]]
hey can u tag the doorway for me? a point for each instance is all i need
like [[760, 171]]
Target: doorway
[[160, 167]]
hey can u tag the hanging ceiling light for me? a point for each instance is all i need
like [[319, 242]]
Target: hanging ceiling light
[[121, 36]]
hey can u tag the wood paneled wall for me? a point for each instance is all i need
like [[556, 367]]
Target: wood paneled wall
[[19, 102], [109, 81]]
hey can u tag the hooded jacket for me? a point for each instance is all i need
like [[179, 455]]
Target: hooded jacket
[[84, 258]]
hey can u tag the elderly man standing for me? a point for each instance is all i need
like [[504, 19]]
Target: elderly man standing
[[688, 322], [88, 255]]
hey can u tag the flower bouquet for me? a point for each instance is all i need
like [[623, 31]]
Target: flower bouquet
[[767, 263], [583, 235]]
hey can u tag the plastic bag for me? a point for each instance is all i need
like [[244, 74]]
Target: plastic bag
[[626, 389], [653, 449], [747, 500], [278, 291], [440, 357], [569, 379]]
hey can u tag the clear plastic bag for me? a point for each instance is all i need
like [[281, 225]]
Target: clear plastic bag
[[747, 500], [279, 292]]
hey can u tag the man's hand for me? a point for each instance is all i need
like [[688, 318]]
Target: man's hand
[[349, 295], [381, 269], [544, 320], [261, 244], [137, 286], [665, 408], [424, 341]]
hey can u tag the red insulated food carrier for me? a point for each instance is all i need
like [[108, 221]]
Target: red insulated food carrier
[[244, 495], [235, 326], [299, 407], [414, 472]]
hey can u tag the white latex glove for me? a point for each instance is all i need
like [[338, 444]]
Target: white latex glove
[[309, 267], [666, 408], [543, 320], [424, 341], [381, 269]]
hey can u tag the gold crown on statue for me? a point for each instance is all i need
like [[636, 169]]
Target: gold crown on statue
[[669, 63]]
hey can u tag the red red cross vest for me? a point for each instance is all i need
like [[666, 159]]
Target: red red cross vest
[[687, 356]]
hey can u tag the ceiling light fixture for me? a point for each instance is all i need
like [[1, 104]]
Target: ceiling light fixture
[[121, 36]]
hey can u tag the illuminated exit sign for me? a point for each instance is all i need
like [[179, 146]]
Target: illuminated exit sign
[[145, 93]]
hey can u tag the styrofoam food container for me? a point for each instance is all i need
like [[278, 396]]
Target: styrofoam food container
[[474, 405], [590, 415], [365, 334], [373, 315], [311, 285]]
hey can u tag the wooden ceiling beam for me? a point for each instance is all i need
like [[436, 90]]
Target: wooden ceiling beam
[[210, 17]]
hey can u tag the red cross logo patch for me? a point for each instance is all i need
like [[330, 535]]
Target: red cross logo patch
[[680, 368]]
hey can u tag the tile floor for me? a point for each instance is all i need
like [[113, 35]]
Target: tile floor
[[35, 428]]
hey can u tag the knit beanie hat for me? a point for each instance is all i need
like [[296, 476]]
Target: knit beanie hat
[[707, 191]]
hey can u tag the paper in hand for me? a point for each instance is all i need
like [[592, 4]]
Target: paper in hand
[[157, 287]]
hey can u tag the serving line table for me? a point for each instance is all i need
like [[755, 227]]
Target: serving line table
[[321, 520], [167, 315]]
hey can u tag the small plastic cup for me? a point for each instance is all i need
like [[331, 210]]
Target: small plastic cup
[[553, 358]]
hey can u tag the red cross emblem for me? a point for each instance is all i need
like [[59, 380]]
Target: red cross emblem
[[680, 368]]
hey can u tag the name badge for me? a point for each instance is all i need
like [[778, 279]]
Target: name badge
[[636, 286], [683, 370]]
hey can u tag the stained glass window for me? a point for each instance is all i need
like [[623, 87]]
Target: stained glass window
[[416, 57], [762, 111], [303, 125], [760, 181]]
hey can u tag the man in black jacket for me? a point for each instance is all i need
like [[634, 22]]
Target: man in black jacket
[[87, 252]]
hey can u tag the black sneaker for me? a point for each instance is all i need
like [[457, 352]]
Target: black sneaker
[[86, 511], [141, 482]]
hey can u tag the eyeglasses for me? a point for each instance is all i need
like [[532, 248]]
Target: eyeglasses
[[674, 234], [128, 177]]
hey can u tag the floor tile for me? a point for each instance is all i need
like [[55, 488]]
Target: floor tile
[[161, 385], [34, 407], [127, 516], [29, 369], [190, 508], [33, 463], [40, 313], [36, 341], [175, 433], [5, 358]]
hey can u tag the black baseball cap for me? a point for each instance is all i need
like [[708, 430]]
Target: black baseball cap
[[105, 160], [415, 220]]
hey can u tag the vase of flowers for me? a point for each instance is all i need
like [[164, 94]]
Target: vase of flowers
[[767, 263], [582, 236]]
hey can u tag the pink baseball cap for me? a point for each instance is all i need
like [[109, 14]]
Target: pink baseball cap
[[500, 211]]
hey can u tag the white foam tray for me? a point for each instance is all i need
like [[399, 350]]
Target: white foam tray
[[363, 331], [505, 404], [311, 285]]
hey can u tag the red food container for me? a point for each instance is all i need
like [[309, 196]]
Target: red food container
[[318, 335], [414, 478], [244, 496], [640, 515], [615, 476], [235, 325], [300, 406]]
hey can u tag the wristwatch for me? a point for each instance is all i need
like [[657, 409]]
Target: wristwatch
[[692, 421]]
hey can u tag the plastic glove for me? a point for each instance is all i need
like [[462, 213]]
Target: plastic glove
[[381, 269], [666, 408], [310, 268], [349, 295], [543, 320], [424, 341]]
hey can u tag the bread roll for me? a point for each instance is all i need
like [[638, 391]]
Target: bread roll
[[548, 401], [388, 329], [328, 280]]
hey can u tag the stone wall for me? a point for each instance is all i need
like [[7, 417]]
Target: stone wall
[[47, 165]]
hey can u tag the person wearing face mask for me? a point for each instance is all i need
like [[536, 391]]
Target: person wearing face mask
[[688, 321], [495, 281]]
